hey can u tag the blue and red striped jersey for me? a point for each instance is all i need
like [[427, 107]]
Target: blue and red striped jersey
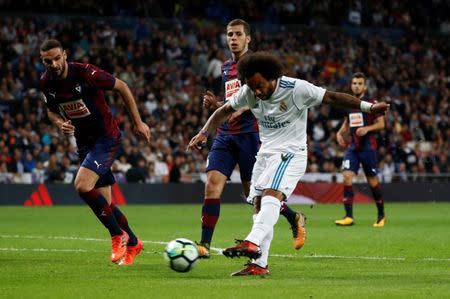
[[80, 98], [246, 122], [357, 119]]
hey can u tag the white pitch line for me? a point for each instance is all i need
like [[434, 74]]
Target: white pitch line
[[47, 250], [218, 250]]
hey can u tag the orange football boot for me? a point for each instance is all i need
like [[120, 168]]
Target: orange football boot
[[119, 246]]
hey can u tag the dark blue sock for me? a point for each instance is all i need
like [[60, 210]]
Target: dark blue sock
[[123, 223], [287, 212], [102, 210], [348, 201], [210, 216], [379, 201]]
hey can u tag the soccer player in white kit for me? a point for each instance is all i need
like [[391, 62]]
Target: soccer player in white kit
[[280, 105]]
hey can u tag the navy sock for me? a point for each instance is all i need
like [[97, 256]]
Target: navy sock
[[123, 223], [348, 201], [210, 216], [379, 201], [287, 212], [102, 210]]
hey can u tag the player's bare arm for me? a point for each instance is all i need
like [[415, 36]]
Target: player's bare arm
[[141, 129], [378, 125], [343, 100], [64, 125], [215, 120], [211, 101], [342, 132]]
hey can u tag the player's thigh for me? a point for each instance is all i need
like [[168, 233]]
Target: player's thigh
[[373, 181], [282, 173], [350, 162], [221, 157], [369, 163], [247, 146], [97, 159]]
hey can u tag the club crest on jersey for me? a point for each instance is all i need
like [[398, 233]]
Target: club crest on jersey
[[75, 109], [78, 88], [283, 106]]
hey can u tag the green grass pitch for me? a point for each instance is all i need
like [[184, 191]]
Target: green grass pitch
[[63, 252]]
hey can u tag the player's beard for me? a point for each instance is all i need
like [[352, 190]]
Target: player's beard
[[58, 73]]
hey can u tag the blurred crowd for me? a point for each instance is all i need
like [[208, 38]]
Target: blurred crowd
[[408, 14], [169, 69]]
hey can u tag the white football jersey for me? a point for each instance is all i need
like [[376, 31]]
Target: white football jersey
[[282, 118]]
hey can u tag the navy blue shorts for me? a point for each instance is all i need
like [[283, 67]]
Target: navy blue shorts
[[368, 160], [99, 158], [231, 149]]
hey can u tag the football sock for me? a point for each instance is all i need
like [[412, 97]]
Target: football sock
[[348, 201], [378, 197], [262, 261], [287, 212], [123, 223], [265, 219], [102, 210], [210, 216]]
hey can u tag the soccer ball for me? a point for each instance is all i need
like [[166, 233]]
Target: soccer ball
[[181, 254]]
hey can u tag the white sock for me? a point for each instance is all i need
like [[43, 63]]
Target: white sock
[[265, 219], [262, 261]]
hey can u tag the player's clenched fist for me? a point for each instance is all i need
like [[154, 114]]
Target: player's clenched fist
[[210, 100], [381, 108], [67, 128], [198, 141], [142, 131]]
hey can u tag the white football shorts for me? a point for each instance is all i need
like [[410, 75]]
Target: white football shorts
[[280, 172]]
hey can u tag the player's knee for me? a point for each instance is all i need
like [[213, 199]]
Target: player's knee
[[214, 184], [82, 187], [256, 204], [274, 193]]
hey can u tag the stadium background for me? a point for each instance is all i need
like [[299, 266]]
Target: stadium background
[[170, 53]]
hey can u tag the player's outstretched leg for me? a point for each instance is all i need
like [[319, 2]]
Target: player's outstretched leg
[[348, 205], [102, 210], [134, 245], [297, 222]]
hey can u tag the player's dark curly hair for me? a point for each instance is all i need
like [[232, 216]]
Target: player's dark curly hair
[[259, 62]]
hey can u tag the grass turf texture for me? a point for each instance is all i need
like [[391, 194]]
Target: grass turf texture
[[408, 258]]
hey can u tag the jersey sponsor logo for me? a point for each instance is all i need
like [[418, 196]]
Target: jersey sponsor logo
[[231, 87], [356, 119], [270, 122], [75, 109]]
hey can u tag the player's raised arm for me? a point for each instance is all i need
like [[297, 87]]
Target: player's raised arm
[[344, 100], [141, 129], [217, 118]]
